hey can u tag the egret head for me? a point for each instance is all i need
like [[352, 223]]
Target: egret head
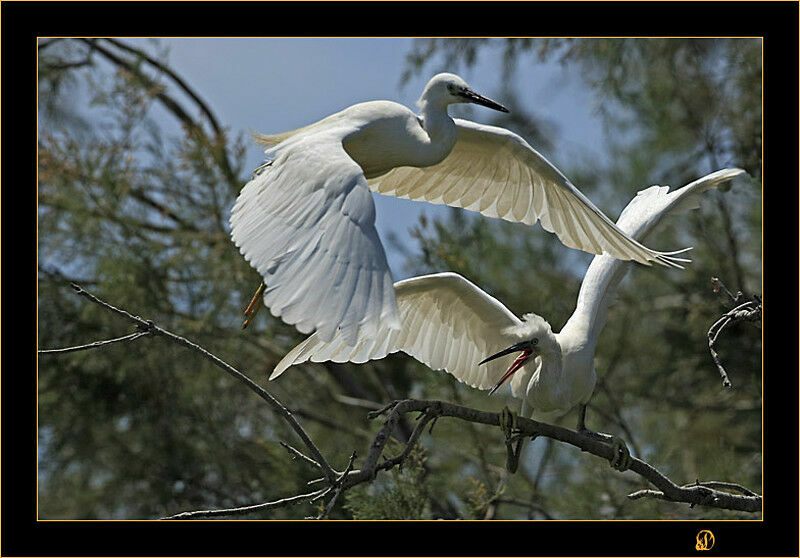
[[447, 89], [536, 339]]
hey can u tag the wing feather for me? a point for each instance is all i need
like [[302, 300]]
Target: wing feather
[[488, 161], [521, 205], [506, 199], [446, 323], [307, 224], [638, 219]]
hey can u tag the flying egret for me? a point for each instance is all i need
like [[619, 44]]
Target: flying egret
[[306, 221], [449, 323]]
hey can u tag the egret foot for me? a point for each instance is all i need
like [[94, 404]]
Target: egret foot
[[508, 424], [255, 305], [622, 456]]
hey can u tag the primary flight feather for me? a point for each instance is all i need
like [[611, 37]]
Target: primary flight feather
[[306, 221]]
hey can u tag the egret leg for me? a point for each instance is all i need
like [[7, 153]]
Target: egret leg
[[255, 305], [514, 440], [622, 455]]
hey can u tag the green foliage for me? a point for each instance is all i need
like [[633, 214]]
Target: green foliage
[[402, 494]]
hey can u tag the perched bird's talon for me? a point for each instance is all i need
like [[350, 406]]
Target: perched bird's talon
[[513, 438], [622, 455], [508, 422]]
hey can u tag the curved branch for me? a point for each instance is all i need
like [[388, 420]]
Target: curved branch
[[707, 494], [174, 106], [177, 79], [130, 337], [149, 326], [710, 493], [747, 311], [202, 514]]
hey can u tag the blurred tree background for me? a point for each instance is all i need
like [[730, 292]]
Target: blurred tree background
[[134, 207]]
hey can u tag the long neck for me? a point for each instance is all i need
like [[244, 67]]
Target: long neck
[[551, 357], [598, 290], [436, 122]]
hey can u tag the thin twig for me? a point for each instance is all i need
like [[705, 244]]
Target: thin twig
[[709, 493], [339, 488], [297, 453], [130, 337], [245, 509], [648, 493], [718, 285], [177, 79], [356, 402], [171, 104], [412, 441], [693, 494], [724, 486], [747, 311], [149, 326]]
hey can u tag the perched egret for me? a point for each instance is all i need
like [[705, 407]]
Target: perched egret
[[449, 323], [306, 221]]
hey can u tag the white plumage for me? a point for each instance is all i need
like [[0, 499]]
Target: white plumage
[[449, 323], [306, 222]]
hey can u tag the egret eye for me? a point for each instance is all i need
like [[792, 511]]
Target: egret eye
[[535, 340]]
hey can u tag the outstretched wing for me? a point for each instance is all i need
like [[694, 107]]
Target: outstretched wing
[[495, 172], [638, 219], [307, 224], [446, 323]]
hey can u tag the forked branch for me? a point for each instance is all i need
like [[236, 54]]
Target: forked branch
[[716, 494], [749, 311]]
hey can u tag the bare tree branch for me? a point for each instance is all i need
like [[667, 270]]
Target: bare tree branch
[[177, 79], [339, 488], [171, 104], [707, 494], [131, 337], [150, 327], [202, 514], [298, 454], [710, 493], [748, 311]]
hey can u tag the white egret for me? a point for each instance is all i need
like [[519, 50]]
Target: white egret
[[306, 220], [449, 323]]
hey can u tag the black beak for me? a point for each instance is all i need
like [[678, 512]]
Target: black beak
[[512, 349], [472, 97], [527, 351]]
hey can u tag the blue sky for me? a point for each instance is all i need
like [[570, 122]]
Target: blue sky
[[273, 85]]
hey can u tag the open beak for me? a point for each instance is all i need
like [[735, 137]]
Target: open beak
[[471, 97], [525, 347]]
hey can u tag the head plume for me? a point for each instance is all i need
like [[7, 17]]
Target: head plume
[[532, 326]]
